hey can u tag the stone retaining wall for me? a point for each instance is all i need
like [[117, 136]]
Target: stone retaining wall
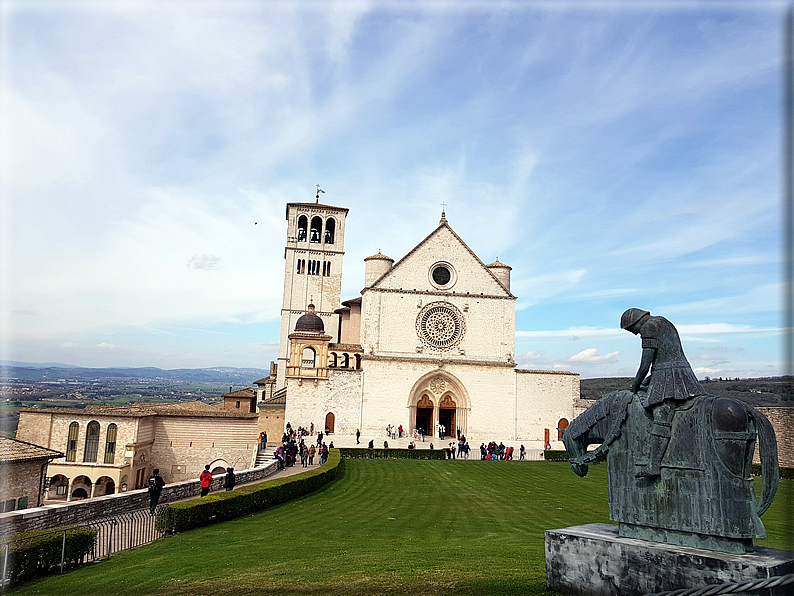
[[782, 420], [79, 512]]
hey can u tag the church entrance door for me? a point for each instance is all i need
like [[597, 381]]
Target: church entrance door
[[424, 419], [424, 415], [446, 416], [329, 421]]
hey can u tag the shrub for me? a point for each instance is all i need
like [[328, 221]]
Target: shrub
[[249, 499], [351, 453], [32, 554], [555, 455], [785, 473]]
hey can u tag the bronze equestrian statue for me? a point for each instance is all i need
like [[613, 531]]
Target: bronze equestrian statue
[[679, 461]]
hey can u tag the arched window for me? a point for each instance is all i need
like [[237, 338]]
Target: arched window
[[325, 264], [358, 361], [346, 361], [71, 442], [110, 444], [333, 360], [91, 442], [330, 230], [328, 269], [316, 230], [307, 360], [303, 224], [561, 426]]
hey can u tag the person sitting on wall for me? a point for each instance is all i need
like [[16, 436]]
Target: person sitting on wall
[[206, 481], [411, 445], [156, 484], [385, 444], [371, 444]]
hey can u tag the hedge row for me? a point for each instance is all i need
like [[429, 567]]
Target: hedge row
[[245, 500], [32, 554], [353, 453], [785, 473], [555, 455]]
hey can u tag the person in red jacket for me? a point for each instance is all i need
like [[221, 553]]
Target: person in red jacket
[[206, 481]]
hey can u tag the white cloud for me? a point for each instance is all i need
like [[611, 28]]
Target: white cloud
[[591, 355], [206, 262]]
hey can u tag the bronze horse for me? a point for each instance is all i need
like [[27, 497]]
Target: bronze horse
[[705, 496]]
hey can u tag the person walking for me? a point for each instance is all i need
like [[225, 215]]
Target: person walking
[[522, 453], [156, 484], [358, 436], [206, 481], [230, 479], [311, 454], [324, 453]]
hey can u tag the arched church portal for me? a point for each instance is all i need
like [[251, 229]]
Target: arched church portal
[[438, 398]]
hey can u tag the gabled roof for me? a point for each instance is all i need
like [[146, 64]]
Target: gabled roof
[[245, 392], [16, 451], [442, 225], [265, 381]]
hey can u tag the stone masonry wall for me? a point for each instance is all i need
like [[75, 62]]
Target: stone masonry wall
[[782, 420], [80, 512], [543, 399], [22, 480], [340, 394]]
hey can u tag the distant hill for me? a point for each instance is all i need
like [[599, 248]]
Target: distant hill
[[36, 364], [764, 391], [221, 374]]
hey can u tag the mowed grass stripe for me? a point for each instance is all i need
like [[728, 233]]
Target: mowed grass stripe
[[386, 527]]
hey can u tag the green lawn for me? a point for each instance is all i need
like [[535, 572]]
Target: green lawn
[[386, 527]]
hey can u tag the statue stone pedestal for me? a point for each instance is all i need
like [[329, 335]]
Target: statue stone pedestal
[[592, 560]]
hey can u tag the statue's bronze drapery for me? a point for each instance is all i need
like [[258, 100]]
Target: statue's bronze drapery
[[679, 460]]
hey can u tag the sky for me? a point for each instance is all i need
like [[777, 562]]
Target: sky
[[614, 154]]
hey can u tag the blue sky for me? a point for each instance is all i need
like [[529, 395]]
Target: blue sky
[[615, 154]]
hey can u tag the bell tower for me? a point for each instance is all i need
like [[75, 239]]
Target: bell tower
[[312, 271]]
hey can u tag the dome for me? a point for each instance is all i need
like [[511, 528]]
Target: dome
[[310, 322]]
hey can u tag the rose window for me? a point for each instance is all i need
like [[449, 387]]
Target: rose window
[[440, 326]]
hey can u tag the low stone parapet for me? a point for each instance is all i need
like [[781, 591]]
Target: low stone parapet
[[592, 560], [73, 513]]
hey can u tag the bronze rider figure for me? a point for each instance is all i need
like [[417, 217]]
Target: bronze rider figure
[[671, 380]]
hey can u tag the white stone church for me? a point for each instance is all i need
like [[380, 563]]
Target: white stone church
[[430, 341]]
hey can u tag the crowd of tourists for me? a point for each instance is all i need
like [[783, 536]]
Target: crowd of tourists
[[494, 452], [293, 446]]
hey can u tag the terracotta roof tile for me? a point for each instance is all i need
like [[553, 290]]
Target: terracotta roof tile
[[14, 450]]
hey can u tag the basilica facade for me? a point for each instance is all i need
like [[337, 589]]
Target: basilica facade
[[430, 342]]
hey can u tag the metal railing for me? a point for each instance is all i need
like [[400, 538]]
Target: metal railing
[[113, 534]]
